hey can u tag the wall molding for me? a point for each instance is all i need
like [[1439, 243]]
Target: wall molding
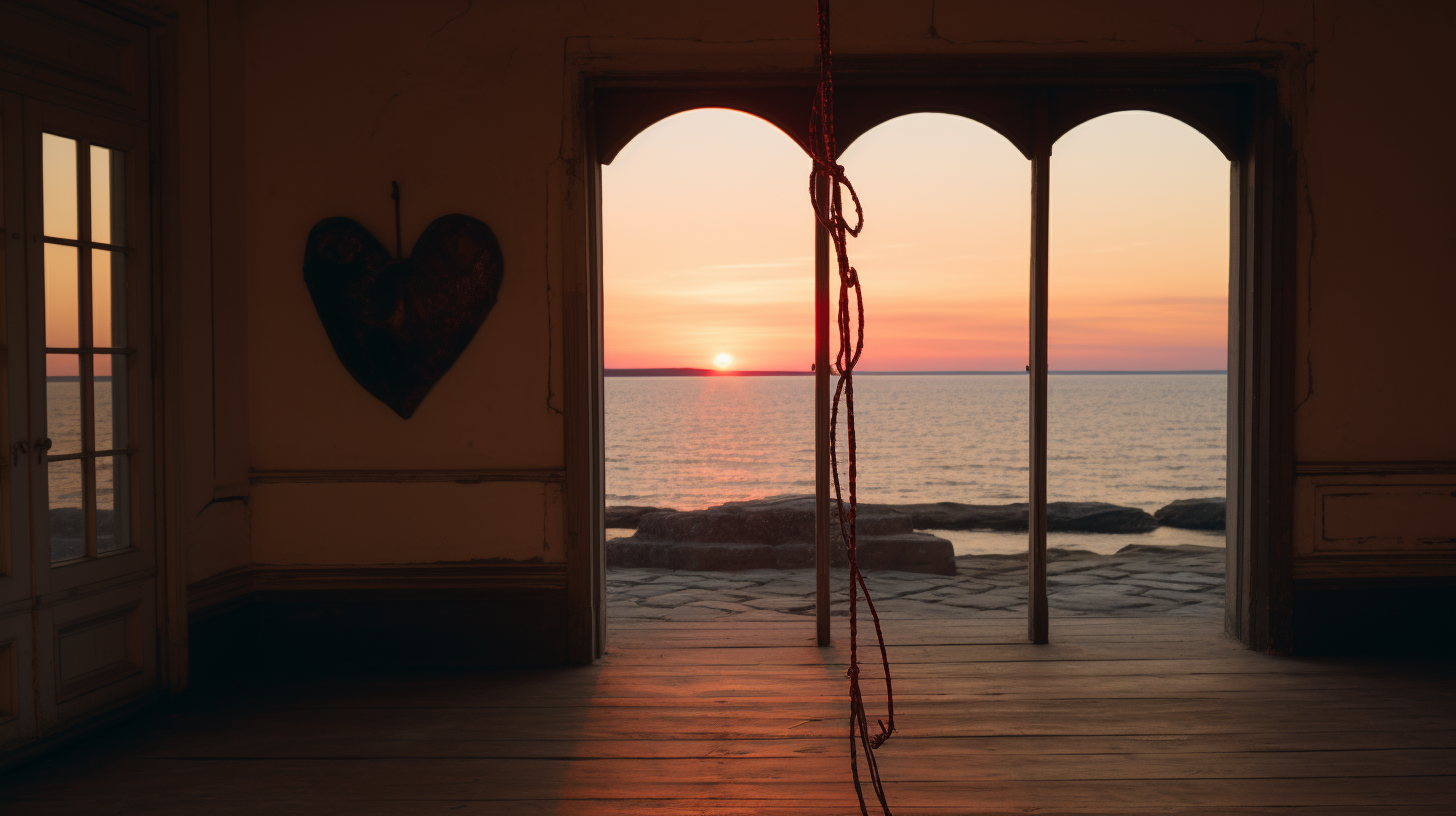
[[1376, 568], [1374, 468], [468, 476]]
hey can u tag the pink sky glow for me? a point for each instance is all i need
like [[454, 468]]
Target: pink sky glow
[[709, 246]]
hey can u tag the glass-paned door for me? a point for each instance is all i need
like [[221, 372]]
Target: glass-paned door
[[79, 572], [87, 348], [87, 454]]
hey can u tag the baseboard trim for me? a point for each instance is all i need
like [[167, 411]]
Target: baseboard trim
[[467, 614], [1378, 615], [1374, 468]]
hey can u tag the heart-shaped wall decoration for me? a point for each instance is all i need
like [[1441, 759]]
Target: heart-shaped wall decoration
[[398, 325]]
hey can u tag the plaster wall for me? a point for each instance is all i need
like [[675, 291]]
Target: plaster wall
[[468, 106], [205, 441]]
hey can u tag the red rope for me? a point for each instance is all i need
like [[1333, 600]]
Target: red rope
[[824, 151]]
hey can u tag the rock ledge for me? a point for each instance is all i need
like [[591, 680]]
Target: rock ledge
[[775, 533]]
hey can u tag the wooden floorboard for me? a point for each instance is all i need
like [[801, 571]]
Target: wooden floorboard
[[1116, 716]]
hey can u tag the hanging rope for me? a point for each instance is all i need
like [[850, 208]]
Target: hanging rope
[[830, 174]]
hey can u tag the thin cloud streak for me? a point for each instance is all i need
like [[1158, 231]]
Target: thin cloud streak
[[1139, 246]]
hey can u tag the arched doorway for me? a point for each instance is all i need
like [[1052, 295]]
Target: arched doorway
[[1032, 115]]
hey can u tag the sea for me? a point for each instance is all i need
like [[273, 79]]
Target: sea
[[63, 478], [1141, 440]]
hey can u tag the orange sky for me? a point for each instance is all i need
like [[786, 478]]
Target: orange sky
[[60, 212], [709, 246]]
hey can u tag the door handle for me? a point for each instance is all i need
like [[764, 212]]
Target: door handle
[[18, 450], [41, 446]]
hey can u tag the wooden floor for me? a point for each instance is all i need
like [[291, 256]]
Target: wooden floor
[[1118, 716]]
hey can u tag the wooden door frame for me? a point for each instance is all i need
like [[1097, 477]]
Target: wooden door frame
[[1231, 99], [140, 95]]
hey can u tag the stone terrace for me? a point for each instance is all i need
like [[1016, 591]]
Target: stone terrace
[[1138, 580]]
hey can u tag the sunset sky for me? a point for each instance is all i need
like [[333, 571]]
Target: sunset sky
[[60, 212], [709, 246]]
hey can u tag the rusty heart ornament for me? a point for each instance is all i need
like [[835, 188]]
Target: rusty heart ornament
[[398, 325]]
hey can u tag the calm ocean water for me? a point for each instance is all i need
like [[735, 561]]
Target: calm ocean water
[[63, 425], [1139, 440]]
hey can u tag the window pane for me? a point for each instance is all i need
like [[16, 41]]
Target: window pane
[[58, 185], [68, 525], [108, 299], [113, 527], [61, 306], [63, 403], [111, 405], [105, 190]]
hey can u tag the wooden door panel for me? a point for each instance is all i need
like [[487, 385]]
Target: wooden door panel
[[137, 560], [17, 671], [95, 652], [15, 554], [78, 611]]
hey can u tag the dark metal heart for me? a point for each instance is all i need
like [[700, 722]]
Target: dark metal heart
[[398, 326]]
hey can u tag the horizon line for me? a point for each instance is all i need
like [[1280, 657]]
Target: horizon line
[[710, 372]]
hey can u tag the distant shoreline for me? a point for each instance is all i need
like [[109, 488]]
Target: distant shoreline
[[709, 372]]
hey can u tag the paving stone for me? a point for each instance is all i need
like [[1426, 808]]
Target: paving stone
[[899, 587], [1215, 565], [1075, 579], [1176, 595], [971, 585], [652, 590], [755, 575], [912, 577], [990, 599], [670, 600], [1139, 583], [1153, 584], [791, 590], [709, 595], [1018, 579], [723, 606], [1070, 566], [720, 583], [1211, 608], [1101, 598], [780, 604], [1182, 577], [937, 594]]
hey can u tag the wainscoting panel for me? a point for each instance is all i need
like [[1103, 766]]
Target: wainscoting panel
[[1365, 523], [1375, 557], [96, 651]]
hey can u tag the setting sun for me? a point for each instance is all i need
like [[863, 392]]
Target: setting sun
[[723, 360]]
